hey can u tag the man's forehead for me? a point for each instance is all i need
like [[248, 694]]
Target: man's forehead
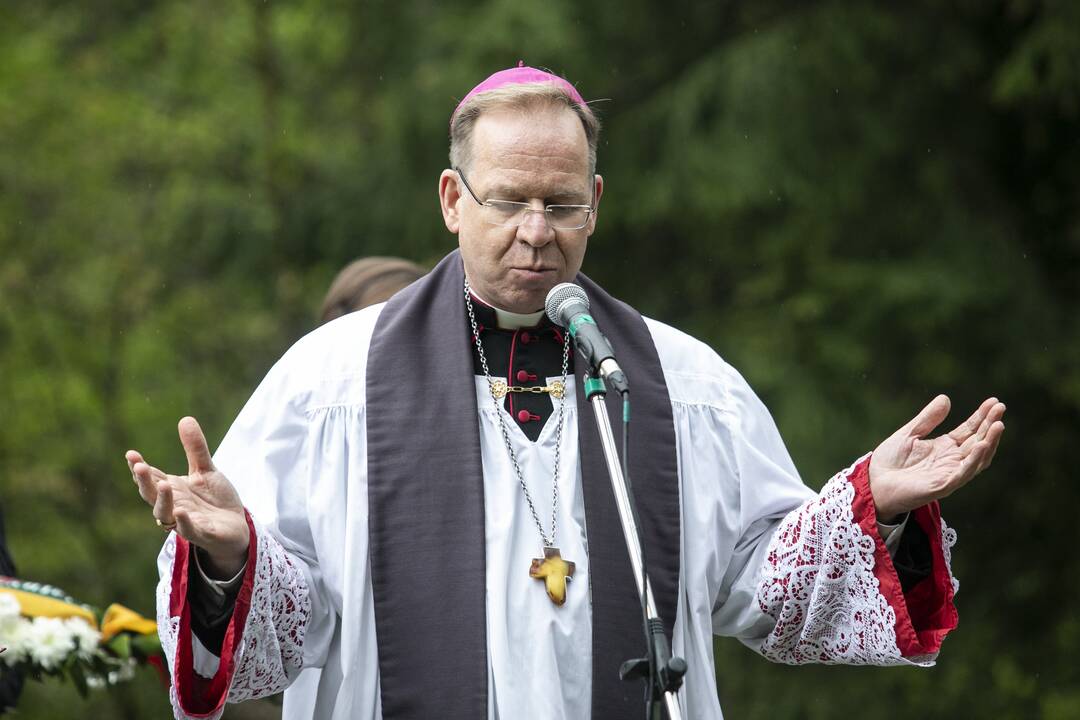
[[538, 153], [538, 131]]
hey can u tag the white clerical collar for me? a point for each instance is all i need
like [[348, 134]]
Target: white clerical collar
[[511, 320]]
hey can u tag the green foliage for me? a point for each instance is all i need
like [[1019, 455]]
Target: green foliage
[[860, 204]]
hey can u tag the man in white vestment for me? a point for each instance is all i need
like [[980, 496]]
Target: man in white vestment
[[406, 520]]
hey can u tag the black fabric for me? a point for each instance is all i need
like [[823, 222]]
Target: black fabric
[[525, 357], [210, 611], [7, 565], [11, 681], [914, 558], [426, 506]]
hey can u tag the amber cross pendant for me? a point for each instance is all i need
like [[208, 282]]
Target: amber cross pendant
[[554, 571]]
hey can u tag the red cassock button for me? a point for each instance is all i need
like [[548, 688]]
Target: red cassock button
[[526, 338], [522, 376], [524, 416]]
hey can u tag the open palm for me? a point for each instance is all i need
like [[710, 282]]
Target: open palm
[[203, 505], [909, 470]]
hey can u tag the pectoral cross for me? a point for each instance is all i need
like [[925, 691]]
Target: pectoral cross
[[555, 572]]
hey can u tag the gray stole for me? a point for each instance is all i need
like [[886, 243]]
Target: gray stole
[[426, 505]]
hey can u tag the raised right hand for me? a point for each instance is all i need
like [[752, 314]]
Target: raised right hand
[[203, 505]]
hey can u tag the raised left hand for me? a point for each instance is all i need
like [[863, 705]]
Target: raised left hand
[[909, 469]]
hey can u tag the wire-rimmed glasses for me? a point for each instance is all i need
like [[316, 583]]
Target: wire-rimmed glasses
[[510, 213]]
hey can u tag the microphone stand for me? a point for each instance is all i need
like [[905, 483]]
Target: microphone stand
[[662, 672]]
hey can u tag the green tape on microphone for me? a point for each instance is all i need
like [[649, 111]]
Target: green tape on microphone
[[578, 321]]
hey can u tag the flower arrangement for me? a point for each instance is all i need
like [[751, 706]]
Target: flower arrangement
[[45, 633]]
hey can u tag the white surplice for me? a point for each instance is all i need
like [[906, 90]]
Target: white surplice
[[297, 454]]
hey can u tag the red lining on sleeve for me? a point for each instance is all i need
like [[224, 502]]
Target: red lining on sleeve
[[198, 696], [510, 373], [926, 614]]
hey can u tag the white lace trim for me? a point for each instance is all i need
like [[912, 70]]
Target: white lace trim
[[270, 654], [948, 539], [818, 584]]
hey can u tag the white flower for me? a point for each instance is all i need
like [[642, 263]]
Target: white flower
[[50, 642], [9, 618], [9, 606], [85, 637], [16, 638], [123, 673], [13, 630]]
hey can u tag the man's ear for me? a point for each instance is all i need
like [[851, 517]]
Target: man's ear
[[598, 191], [449, 194]]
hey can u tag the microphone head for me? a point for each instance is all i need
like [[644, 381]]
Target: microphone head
[[562, 297]]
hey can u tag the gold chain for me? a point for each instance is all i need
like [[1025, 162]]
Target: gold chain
[[499, 388]]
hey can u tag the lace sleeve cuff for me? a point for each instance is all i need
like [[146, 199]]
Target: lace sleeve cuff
[[925, 614], [262, 647], [830, 585]]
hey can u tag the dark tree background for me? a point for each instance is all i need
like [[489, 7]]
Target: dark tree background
[[857, 204]]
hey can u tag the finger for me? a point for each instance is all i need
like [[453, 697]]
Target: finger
[[194, 442], [153, 474], [971, 426], [993, 416], [929, 417], [145, 480], [132, 457], [969, 468], [978, 436], [184, 525], [163, 507], [993, 439]]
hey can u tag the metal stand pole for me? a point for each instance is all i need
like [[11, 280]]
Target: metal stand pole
[[633, 547]]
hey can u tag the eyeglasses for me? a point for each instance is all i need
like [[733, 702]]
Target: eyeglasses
[[508, 213]]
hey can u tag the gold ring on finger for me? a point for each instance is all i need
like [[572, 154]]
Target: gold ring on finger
[[169, 527]]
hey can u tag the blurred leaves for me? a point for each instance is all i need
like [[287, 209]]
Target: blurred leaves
[[858, 205]]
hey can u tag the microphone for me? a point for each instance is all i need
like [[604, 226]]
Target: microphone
[[567, 305]]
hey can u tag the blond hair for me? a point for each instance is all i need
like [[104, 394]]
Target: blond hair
[[522, 96]]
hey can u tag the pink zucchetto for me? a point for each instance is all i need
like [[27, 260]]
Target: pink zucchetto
[[517, 76]]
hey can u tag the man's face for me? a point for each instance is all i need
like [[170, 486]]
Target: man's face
[[539, 156]]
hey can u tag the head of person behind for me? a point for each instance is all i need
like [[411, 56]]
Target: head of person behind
[[522, 191], [367, 281]]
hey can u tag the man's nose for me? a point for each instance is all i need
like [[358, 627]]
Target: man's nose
[[534, 229]]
